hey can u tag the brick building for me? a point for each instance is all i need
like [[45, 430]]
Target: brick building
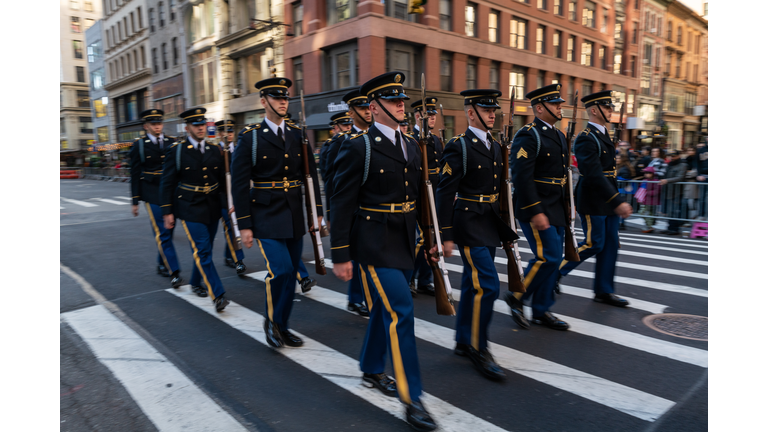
[[581, 44]]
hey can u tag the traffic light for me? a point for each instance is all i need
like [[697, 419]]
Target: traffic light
[[273, 71], [416, 6]]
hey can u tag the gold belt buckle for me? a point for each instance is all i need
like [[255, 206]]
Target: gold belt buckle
[[562, 181], [286, 183], [494, 198], [406, 207]]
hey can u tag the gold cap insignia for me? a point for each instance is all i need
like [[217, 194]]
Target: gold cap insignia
[[282, 82], [197, 112], [558, 87], [154, 111], [447, 169], [397, 78], [522, 153]]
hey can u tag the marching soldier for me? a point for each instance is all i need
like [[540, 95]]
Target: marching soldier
[[422, 273], [539, 168], [374, 223], [193, 179], [272, 211], [147, 155], [472, 172], [341, 123], [226, 130], [360, 112], [598, 200]]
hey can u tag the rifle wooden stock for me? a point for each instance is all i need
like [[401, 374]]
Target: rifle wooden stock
[[309, 198], [230, 203], [571, 246]]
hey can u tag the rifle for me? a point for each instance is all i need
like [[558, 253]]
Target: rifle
[[619, 127], [442, 131], [571, 247], [506, 206], [230, 202], [430, 229], [309, 196]]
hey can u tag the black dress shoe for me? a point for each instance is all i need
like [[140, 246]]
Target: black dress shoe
[[611, 299], [162, 271], [382, 382], [427, 289], [412, 286], [307, 283], [484, 363], [461, 349], [418, 417], [176, 280], [240, 267], [516, 310], [291, 339], [272, 332], [229, 262], [360, 308], [200, 291], [551, 321], [220, 303], [557, 284]]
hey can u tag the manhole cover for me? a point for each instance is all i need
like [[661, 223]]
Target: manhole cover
[[681, 325]]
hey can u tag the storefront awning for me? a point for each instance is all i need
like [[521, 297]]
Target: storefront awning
[[319, 120]]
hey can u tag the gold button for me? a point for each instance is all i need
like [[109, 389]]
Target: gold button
[[494, 164], [466, 208], [206, 184], [205, 168], [205, 176], [367, 218], [286, 155], [494, 176], [162, 156], [286, 190], [494, 188], [547, 154], [406, 170], [406, 197], [253, 200], [437, 160], [603, 151], [286, 167], [562, 155], [179, 196], [406, 183], [381, 172], [265, 157]]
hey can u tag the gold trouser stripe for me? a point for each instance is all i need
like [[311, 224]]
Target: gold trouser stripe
[[298, 276], [229, 240], [268, 280], [365, 287], [476, 305], [397, 358], [157, 235], [588, 243], [539, 259], [197, 260]]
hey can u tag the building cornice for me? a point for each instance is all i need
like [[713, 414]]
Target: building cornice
[[141, 73]]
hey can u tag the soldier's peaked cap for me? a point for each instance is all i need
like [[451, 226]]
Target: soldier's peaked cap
[[485, 98], [152, 115], [430, 102], [604, 97], [229, 124], [196, 116], [550, 93], [341, 118], [385, 86], [275, 87], [355, 98]]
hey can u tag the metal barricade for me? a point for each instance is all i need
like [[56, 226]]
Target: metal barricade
[[677, 203]]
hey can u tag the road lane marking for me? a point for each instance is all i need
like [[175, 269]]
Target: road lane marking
[[169, 399], [337, 368], [625, 399], [80, 203], [110, 201], [125, 198]]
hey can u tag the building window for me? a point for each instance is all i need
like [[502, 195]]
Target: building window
[[586, 87], [493, 26], [617, 61], [572, 10], [298, 74], [152, 20], [82, 99], [470, 20], [645, 85], [604, 26], [97, 79], [138, 14], [340, 10], [634, 32], [556, 79], [155, 67], [633, 65], [495, 72], [99, 108], [103, 133], [175, 51], [446, 66], [696, 45], [171, 10], [668, 64], [558, 7], [450, 125], [88, 5], [617, 32], [341, 65], [445, 15], [647, 21], [601, 57], [94, 51], [540, 40], [406, 58], [556, 36], [86, 124], [517, 80], [588, 14], [658, 30], [569, 49], [143, 58], [205, 83], [255, 66], [80, 72], [586, 53], [540, 79], [298, 19], [74, 25], [695, 77], [669, 31], [517, 33], [161, 14], [88, 22], [77, 47], [471, 72], [201, 21], [680, 35], [165, 56], [571, 89], [74, 4], [541, 4], [679, 65]]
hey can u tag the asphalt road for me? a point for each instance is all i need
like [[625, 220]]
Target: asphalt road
[[138, 355]]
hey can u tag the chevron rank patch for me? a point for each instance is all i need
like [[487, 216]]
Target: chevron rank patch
[[447, 169], [522, 153]]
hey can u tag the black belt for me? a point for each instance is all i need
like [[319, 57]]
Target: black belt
[[551, 180], [279, 184], [478, 198], [405, 207], [203, 189]]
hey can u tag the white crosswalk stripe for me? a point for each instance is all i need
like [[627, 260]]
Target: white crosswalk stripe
[[110, 201], [78, 202]]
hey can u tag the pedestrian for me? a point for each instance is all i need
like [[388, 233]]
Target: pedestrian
[[193, 179], [539, 176], [422, 281], [472, 172], [359, 110], [673, 192], [147, 155], [271, 213], [598, 201], [649, 196], [233, 256], [625, 173], [376, 188], [702, 176], [657, 162], [643, 160]]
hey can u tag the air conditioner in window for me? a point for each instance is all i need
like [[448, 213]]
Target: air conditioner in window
[[236, 92]]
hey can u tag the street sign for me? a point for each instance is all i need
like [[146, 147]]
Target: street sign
[[211, 126]]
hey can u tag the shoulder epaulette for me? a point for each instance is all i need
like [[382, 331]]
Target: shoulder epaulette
[[530, 125], [585, 131], [171, 138], [250, 127], [456, 137], [358, 135], [292, 125], [177, 143]]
